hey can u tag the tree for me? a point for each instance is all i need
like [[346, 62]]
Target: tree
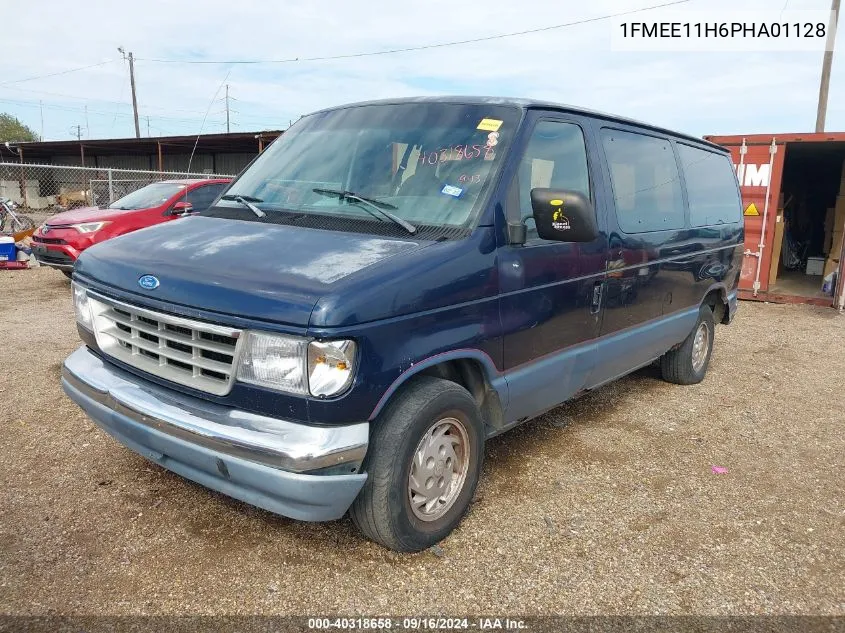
[[12, 130]]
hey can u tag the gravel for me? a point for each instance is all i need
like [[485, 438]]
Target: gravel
[[609, 504]]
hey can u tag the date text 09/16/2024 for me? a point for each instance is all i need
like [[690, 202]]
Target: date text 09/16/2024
[[418, 624]]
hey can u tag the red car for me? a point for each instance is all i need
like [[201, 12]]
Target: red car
[[60, 240]]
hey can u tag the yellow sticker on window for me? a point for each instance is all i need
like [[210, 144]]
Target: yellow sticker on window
[[490, 125]]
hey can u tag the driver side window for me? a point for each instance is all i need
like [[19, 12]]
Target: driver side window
[[556, 157], [202, 197]]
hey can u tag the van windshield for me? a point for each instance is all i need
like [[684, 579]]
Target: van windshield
[[428, 164]]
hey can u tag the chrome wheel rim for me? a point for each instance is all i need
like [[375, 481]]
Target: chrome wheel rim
[[699, 346], [439, 469]]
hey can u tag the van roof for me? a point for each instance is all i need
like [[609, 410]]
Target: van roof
[[528, 104]]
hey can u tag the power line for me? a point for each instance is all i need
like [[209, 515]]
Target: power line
[[67, 108], [120, 103], [258, 122], [142, 106], [414, 48], [264, 122], [56, 74]]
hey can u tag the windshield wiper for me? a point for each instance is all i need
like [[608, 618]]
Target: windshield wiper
[[247, 202], [378, 205]]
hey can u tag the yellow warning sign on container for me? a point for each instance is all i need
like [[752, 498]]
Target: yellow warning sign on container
[[751, 209]]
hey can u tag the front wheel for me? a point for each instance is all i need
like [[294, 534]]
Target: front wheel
[[687, 363], [423, 462]]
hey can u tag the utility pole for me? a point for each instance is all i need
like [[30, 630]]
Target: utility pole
[[132, 83], [78, 129], [827, 64], [148, 127], [87, 127], [41, 105], [227, 108]]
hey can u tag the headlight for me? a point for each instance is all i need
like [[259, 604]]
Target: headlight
[[331, 366], [295, 365], [82, 306], [275, 361], [89, 227]]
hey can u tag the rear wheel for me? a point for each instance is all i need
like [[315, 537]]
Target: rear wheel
[[687, 364], [423, 463]]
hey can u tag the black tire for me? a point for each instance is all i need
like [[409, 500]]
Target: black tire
[[678, 366], [382, 511]]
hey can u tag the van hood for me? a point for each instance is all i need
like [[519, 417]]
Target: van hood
[[87, 214], [247, 269]]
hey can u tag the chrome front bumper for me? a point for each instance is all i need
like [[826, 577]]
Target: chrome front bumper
[[260, 460]]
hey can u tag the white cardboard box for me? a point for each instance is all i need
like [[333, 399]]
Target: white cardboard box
[[815, 265]]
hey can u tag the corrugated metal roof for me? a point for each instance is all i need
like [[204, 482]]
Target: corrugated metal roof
[[201, 163], [125, 162], [231, 163], [239, 142]]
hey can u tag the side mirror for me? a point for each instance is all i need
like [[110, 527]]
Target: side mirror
[[564, 216], [181, 207]]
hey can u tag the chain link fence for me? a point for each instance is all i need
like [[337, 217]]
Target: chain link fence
[[48, 188]]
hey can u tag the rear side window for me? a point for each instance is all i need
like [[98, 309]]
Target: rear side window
[[711, 187], [646, 184]]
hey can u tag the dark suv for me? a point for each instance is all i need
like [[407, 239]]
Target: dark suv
[[392, 283]]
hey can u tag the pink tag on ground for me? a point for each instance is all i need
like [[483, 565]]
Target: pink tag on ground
[[718, 470]]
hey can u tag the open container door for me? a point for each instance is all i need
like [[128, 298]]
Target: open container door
[[839, 293], [759, 169]]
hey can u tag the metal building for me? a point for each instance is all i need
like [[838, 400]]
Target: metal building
[[213, 153]]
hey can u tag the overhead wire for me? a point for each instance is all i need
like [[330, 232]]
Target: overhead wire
[[55, 74], [323, 58], [407, 49]]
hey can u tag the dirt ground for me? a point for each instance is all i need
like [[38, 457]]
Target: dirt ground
[[606, 505]]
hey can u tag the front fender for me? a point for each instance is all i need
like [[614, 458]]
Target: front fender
[[494, 378]]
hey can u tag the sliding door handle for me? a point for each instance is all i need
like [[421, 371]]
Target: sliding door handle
[[598, 290]]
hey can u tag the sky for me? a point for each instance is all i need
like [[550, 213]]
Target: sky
[[703, 92]]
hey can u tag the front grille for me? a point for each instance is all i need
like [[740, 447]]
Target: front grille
[[53, 257], [47, 240], [191, 353]]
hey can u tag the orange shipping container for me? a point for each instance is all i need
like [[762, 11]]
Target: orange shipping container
[[807, 173]]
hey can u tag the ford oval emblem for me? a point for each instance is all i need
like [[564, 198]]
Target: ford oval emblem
[[148, 282]]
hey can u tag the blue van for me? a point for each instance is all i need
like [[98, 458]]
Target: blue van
[[391, 283]]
